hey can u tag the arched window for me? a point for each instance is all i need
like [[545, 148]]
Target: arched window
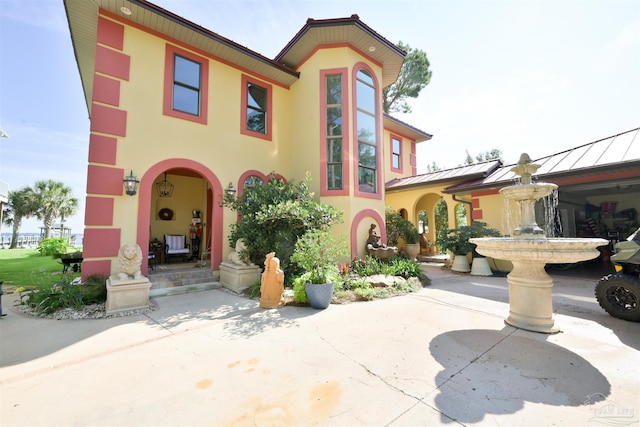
[[366, 125]]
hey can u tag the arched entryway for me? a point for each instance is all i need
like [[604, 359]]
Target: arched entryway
[[148, 205]]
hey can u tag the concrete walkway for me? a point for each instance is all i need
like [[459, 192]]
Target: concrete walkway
[[442, 356]]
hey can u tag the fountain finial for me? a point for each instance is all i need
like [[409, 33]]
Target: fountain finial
[[525, 168]]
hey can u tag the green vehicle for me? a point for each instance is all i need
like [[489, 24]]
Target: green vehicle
[[619, 293]]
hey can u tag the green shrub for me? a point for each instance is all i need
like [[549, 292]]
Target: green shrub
[[274, 215], [400, 266], [49, 297], [299, 291], [54, 246]]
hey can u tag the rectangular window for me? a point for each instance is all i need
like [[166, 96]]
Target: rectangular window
[[334, 138], [396, 153], [185, 85], [334, 131], [256, 108]]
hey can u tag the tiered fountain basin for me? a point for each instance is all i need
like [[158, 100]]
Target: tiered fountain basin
[[530, 298], [530, 287]]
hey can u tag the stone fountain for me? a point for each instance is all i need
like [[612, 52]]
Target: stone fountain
[[530, 298]]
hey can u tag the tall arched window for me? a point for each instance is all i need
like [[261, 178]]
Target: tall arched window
[[367, 132]]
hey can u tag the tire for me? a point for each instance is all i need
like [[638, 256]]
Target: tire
[[619, 295]]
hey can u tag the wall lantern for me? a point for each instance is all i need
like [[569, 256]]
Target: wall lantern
[[164, 188], [230, 190], [130, 184]]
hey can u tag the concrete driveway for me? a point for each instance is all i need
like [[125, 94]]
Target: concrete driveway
[[442, 356]]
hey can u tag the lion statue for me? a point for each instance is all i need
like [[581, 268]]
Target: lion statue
[[236, 256], [130, 259]]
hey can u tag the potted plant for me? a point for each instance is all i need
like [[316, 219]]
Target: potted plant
[[411, 236], [456, 241], [400, 229], [318, 253]]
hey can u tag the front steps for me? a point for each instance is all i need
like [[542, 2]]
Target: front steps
[[181, 279]]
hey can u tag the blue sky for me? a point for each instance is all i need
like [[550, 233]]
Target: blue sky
[[521, 76]]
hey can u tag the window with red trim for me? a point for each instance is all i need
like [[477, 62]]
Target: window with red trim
[[396, 153], [256, 108], [186, 85]]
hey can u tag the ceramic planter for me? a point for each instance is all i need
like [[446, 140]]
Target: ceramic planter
[[319, 295], [460, 264]]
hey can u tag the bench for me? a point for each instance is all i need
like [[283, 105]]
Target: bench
[[175, 245]]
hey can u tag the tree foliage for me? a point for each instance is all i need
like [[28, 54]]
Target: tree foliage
[[414, 76], [274, 215], [493, 154], [52, 200], [20, 206]]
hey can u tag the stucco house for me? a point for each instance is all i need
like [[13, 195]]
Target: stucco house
[[189, 114]]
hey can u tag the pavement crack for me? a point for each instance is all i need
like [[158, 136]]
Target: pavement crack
[[365, 367]]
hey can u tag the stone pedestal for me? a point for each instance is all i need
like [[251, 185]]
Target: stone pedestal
[[128, 294], [238, 277]]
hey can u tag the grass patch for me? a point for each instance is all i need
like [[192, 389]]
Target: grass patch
[[26, 267]]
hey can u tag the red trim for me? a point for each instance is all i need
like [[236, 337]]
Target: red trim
[[379, 188], [245, 80], [485, 192], [366, 213], [399, 139], [145, 191], [346, 181], [476, 214], [475, 203], [240, 184], [101, 242], [108, 120], [167, 106], [106, 90], [598, 178], [98, 211], [413, 159], [102, 267], [110, 33], [112, 62], [105, 180], [102, 149], [192, 48]]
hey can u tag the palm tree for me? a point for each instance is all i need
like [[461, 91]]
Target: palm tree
[[53, 199], [20, 206]]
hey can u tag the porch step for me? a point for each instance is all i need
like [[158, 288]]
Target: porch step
[[159, 292], [181, 280]]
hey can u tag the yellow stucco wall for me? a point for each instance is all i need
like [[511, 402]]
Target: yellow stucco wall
[[151, 137]]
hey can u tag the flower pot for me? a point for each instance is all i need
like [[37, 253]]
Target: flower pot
[[460, 264], [480, 267], [413, 249], [319, 295]]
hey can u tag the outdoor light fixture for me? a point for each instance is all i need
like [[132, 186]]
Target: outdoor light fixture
[[131, 184], [230, 190], [164, 188]]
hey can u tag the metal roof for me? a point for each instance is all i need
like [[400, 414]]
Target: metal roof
[[617, 153], [405, 129], [475, 171]]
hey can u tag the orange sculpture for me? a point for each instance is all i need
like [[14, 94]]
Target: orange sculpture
[[272, 283]]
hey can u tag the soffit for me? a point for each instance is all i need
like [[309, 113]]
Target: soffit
[[394, 125], [328, 32], [82, 16]]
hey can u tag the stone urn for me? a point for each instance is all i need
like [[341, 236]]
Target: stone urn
[[412, 249]]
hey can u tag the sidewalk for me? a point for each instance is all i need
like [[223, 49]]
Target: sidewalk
[[437, 357]]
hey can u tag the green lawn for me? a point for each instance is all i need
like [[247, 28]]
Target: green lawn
[[26, 267]]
